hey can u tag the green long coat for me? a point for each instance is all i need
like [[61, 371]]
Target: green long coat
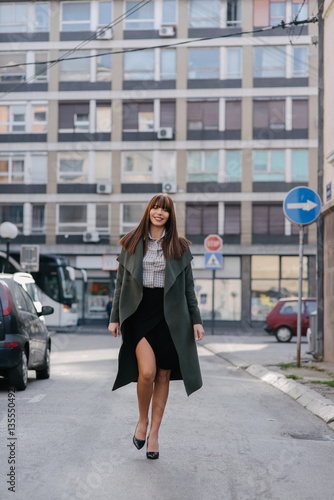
[[180, 309]]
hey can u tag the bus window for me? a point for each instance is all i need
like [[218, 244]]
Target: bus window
[[69, 290]]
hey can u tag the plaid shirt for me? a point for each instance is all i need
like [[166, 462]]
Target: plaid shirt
[[154, 264]]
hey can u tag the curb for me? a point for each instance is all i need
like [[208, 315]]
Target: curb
[[308, 398]]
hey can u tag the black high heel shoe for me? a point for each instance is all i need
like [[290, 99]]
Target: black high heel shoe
[[139, 443], [152, 455]]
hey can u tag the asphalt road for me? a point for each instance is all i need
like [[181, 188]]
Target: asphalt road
[[235, 439]]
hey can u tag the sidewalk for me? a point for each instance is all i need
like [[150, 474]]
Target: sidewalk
[[263, 357]]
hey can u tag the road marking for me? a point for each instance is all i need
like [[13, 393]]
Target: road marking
[[37, 398], [308, 205]]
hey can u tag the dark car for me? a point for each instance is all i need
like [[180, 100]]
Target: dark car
[[24, 339], [282, 319]]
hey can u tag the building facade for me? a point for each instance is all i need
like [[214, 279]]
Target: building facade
[[227, 124], [328, 198]]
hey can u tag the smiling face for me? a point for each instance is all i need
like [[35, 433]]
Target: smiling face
[[158, 216]]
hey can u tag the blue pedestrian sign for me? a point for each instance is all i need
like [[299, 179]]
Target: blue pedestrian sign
[[302, 206], [213, 260]]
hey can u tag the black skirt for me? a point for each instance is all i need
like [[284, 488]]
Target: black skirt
[[149, 321]]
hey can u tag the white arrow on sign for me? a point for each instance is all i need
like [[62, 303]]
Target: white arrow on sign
[[308, 205]]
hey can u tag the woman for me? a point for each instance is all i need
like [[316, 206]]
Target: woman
[[155, 307]]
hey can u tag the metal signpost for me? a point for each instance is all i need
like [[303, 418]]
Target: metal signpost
[[213, 258], [301, 206], [29, 258]]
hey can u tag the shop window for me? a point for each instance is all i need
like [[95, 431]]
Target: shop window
[[72, 219], [203, 64], [73, 117], [269, 62], [142, 18], [268, 219], [200, 16], [268, 166], [202, 166], [73, 167], [139, 65], [201, 219], [75, 70], [75, 16], [300, 166], [233, 115], [203, 115], [13, 214], [131, 216], [233, 63], [137, 166], [269, 114], [227, 298], [300, 66], [233, 166], [300, 114], [232, 222]]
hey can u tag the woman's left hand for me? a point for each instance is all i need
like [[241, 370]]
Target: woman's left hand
[[198, 331]]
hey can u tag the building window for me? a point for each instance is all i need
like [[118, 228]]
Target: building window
[[72, 219], [232, 224], [139, 65], [300, 62], [269, 114], [13, 214], [23, 17], [75, 70], [103, 117], [233, 166], [203, 64], [75, 16], [201, 219], [167, 166], [131, 216], [203, 115], [73, 167], [11, 169], [137, 166], [102, 219], [14, 73], [200, 16], [268, 166], [105, 13], [38, 172], [138, 117], [300, 114], [300, 166], [277, 13], [168, 64], [202, 166], [269, 62], [38, 219], [233, 115], [233, 63], [102, 166], [169, 15], [40, 119], [268, 219], [233, 16], [12, 119], [167, 114], [140, 18], [73, 117], [300, 9], [103, 67]]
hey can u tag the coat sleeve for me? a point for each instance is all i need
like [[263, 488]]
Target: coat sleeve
[[114, 316], [191, 296]]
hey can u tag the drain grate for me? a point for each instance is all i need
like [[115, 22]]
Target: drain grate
[[308, 437]]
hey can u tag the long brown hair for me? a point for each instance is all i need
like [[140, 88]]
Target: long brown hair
[[173, 245]]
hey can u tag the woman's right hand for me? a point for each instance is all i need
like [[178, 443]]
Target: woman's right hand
[[114, 329]]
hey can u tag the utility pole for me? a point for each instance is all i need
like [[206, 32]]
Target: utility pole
[[320, 223]]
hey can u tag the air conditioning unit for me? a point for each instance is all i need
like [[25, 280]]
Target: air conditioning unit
[[167, 31], [169, 187], [104, 34], [91, 237], [165, 133], [103, 188]]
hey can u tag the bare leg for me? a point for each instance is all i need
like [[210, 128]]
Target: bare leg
[[147, 372], [159, 400]]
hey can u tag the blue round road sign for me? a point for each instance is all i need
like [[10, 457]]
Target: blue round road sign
[[302, 205]]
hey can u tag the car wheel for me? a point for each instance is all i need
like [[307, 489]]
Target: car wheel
[[283, 334], [18, 376], [44, 372]]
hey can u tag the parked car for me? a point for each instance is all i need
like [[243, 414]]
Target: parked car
[[282, 319], [25, 342]]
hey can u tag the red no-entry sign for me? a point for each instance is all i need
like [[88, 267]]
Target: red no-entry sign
[[213, 243]]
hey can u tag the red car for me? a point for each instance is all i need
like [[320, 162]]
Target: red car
[[282, 319]]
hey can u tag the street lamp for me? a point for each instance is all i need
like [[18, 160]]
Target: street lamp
[[8, 231]]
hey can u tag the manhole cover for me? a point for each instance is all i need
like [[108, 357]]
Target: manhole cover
[[309, 437]]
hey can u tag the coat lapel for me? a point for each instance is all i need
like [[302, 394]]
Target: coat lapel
[[134, 263], [174, 267]]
